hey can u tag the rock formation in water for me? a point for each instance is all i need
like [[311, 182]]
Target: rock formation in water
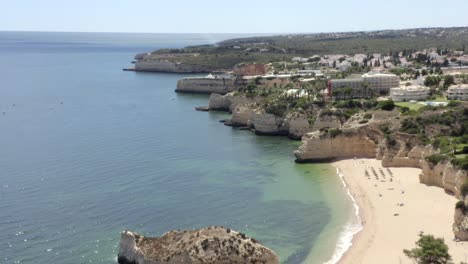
[[207, 245], [227, 102], [245, 113]]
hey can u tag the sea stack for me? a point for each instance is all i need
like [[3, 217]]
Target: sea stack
[[207, 245]]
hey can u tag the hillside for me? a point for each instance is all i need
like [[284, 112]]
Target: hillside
[[227, 54]]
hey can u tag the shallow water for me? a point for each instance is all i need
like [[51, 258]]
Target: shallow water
[[88, 150]]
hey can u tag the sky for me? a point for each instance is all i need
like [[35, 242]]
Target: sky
[[218, 16]]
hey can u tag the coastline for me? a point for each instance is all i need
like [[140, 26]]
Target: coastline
[[388, 227]]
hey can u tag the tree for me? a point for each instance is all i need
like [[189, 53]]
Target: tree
[[429, 250], [387, 105], [446, 63], [448, 80]]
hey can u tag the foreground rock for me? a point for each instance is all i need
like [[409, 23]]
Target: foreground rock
[[207, 245], [460, 225]]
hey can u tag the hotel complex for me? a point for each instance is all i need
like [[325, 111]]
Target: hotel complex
[[409, 93], [458, 92], [369, 84]]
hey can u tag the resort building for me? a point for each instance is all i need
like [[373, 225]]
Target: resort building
[[381, 81], [409, 93], [458, 92], [367, 85]]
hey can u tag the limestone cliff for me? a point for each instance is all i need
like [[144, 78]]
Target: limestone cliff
[[207, 245], [294, 124], [227, 102], [326, 121], [460, 225], [151, 65], [245, 113], [206, 85], [322, 146]]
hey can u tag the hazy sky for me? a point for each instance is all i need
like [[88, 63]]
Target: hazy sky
[[218, 16]]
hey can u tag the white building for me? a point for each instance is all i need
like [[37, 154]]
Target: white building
[[381, 81], [408, 93], [458, 92]]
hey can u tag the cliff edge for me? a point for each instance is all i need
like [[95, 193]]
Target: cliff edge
[[207, 245]]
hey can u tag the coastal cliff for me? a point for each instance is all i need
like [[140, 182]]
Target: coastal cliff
[[323, 145], [227, 102], [460, 225], [150, 65], [398, 151], [206, 85], [245, 113], [207, 245]]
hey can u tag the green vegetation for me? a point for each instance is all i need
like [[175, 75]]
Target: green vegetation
[[436, 158], [410, 106], [334, 132], [284, 47], [387, 105], [461, 205], [429, 250], [464, 189]]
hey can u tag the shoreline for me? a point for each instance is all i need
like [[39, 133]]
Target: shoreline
[[352, 228], [392, 211]]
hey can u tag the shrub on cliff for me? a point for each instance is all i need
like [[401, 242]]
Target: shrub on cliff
[[436, 158], [278, 108], [387, 105], [460, 205], [461, 163], [464, 189], [334, 132], [429, 250], [410, 126]]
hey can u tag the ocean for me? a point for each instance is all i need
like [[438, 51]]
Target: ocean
[[88, 150]]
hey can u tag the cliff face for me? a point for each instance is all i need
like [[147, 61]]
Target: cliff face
[[294, 124], [320, 146], [168, 66], [206, 85], [460, 225], [208, 245], [325, 121], [246, 114], [226, 102]]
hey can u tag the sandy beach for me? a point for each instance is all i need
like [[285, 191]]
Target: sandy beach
[[394, 209]]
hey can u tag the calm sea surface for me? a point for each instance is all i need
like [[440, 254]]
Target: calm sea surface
[[87, 150]]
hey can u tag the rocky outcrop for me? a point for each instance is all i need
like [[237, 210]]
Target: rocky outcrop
[[245, 113], [207, 245], [242, 115], [460, 225], [227, 102], [296, 124], [267, 124], [150, 65], [322, 146], [206, 85], [326, 121], [293, 125]]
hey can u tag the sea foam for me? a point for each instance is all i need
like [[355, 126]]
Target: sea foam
[[353, 227]]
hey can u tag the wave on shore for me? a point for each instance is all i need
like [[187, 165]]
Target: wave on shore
[[353, 227]]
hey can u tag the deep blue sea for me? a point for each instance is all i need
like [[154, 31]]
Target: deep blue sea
[[88, 150]]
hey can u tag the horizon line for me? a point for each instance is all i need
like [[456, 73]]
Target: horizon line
[[230, 33]]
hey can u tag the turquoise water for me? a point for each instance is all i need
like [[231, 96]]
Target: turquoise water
[[88, 150]]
